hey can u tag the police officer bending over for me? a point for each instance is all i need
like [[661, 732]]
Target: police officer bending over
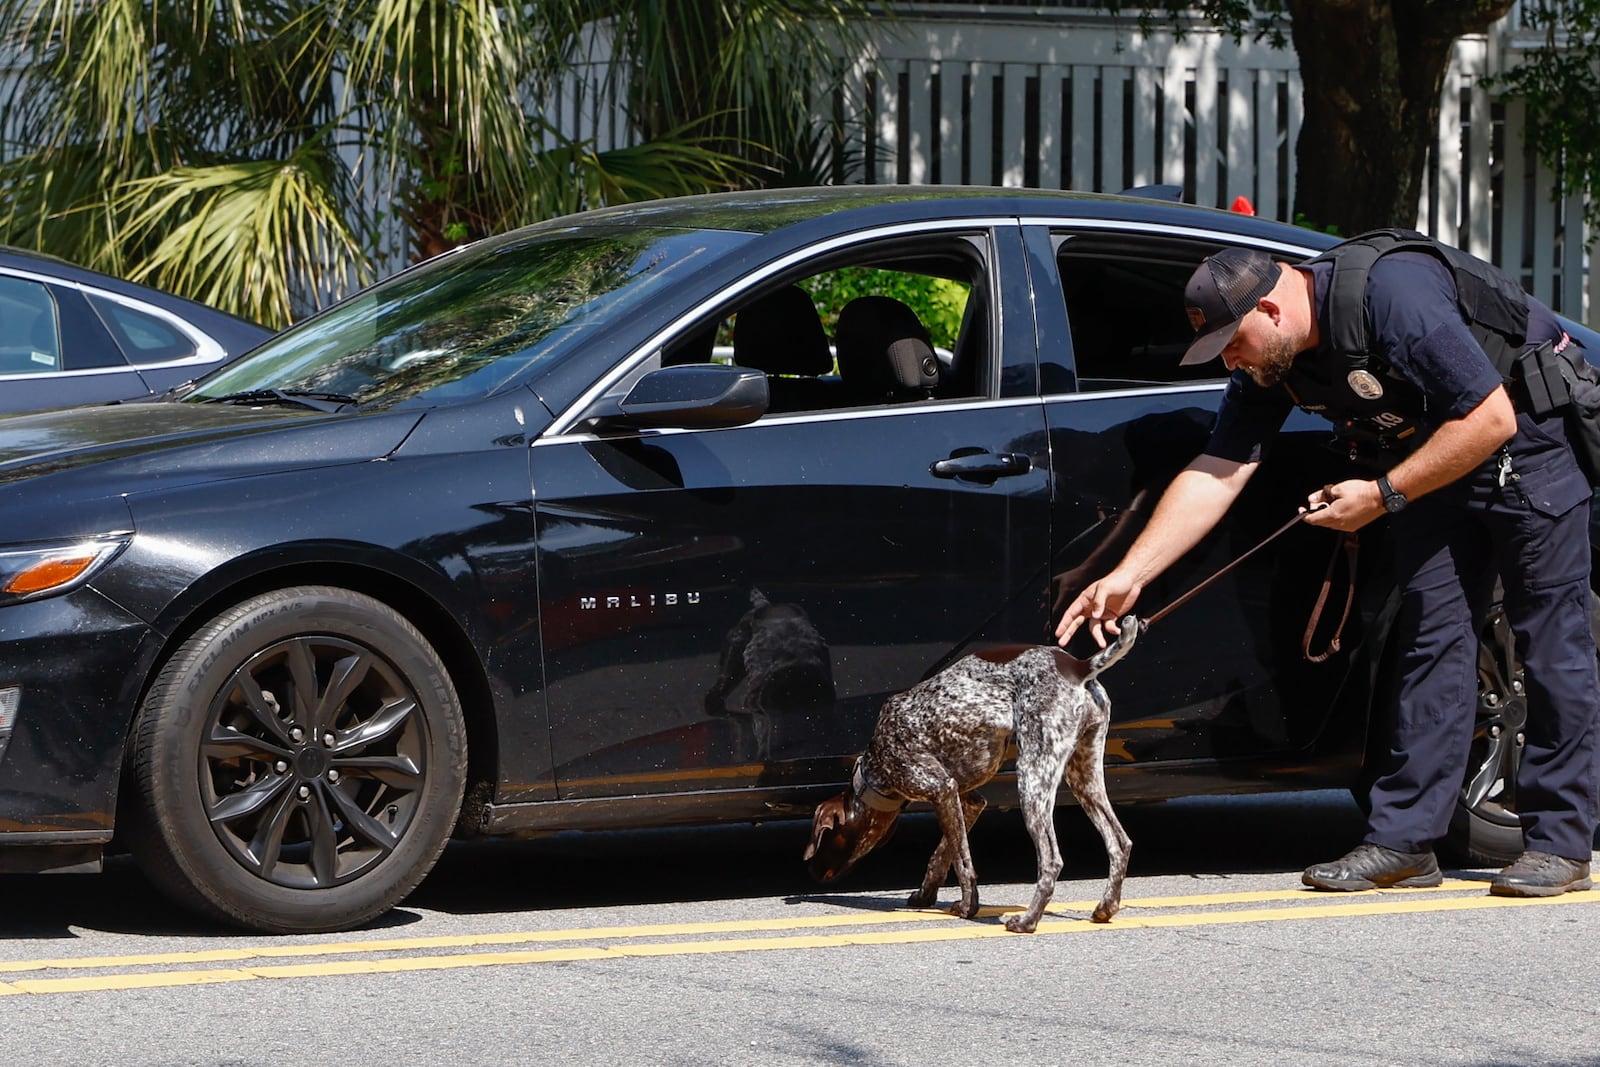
[[1373, 336]]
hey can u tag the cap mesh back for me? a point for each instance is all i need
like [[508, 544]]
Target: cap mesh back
[[1242, 278]]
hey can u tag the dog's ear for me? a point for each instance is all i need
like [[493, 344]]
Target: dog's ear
[[828, 815]]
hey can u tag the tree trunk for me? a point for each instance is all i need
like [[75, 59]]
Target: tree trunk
[[1373, 73]]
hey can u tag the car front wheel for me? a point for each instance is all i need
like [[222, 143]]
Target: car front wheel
[[299, 763]]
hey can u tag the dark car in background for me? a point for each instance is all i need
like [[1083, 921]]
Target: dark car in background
[[69, 335], [634, 518]]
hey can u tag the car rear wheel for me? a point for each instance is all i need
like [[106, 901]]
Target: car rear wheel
[[299, 763], [1485, 829]]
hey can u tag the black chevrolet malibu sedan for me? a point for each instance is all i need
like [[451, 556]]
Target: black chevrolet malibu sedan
[[634, 518]]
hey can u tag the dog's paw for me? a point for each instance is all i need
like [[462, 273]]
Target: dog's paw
[[922, 898], [1104, 912], [1128, 629], [964, 909], [1021, 923]]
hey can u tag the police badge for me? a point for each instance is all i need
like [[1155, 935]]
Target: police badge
[[1365, 385]]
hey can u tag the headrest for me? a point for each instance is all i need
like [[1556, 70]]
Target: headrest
[[781, 334], [884, 350]]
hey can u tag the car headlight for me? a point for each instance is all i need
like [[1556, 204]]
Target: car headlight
[[55, 568]]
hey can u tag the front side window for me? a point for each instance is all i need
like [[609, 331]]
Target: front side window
[[889, 324]]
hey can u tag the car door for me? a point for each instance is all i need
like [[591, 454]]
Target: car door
[[727, 608], [1222, 679]]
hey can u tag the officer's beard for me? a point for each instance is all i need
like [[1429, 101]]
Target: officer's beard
[[1276, 359]]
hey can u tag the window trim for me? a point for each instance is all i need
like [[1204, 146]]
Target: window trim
[[207, 349]]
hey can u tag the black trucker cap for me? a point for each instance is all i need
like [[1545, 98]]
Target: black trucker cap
[[1221, 291]]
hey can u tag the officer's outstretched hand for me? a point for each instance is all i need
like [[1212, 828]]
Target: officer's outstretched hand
[[1346, 506], [1102, 604]]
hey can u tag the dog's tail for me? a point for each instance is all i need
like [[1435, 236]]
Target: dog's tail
[[1128, 632]]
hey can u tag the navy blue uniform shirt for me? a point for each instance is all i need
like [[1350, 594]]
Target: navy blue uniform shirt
[[1415, 325]]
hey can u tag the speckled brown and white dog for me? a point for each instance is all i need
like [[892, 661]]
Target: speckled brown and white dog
[[942, 739]]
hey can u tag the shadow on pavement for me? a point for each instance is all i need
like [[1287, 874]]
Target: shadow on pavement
[[1200, 837]]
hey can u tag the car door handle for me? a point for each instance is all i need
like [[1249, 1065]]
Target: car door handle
[[978, 465]]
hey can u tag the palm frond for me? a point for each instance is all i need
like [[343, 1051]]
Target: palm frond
[[754, 74], [257, 153], [250, 235]]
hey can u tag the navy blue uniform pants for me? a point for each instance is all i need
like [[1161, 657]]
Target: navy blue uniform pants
[[1449, 546]]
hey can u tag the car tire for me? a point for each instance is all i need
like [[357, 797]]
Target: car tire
[[298, 763], [1485, 830]]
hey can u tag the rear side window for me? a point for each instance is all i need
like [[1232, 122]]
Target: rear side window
[[145, 338], [1124, 298], [30, 334]]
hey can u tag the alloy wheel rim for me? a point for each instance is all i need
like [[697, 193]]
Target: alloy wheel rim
[[314, 762]]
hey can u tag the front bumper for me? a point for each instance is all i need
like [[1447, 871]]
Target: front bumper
[[76, 665]]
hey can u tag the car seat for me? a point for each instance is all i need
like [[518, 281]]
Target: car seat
[[885, 355], [781, 335]]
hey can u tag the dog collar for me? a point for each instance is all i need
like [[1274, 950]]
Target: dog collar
[[871, 795]]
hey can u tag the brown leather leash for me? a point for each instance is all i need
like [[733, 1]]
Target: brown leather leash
[[1347, 541]]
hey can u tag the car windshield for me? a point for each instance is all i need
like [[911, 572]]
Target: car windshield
[[463, 324]]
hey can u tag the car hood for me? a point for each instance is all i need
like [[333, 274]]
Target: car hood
[[92, 452]]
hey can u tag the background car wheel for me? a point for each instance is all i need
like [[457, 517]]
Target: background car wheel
[[1485, 830], [299, 763]]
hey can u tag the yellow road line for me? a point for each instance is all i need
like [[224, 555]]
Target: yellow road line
[[915, 927], [601, 933], [412, 944]]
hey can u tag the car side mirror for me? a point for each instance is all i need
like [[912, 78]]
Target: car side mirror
[[694, 396]]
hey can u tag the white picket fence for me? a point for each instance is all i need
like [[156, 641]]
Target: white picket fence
[[1049, 93], [1053, 95], [1066, 100]]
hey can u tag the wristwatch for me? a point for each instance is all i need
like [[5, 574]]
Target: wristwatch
[[1393, 499]]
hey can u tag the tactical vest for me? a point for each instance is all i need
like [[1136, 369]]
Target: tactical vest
[[1374, 409]]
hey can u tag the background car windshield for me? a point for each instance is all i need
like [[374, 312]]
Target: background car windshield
[[463, 324]]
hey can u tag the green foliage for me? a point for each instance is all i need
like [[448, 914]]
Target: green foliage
[[1302, 220], [249, 152], [749, 75], [1560, 82], [938, 302], [1258, 19]]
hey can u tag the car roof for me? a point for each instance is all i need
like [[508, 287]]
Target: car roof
[[766, 211], [55, 266]]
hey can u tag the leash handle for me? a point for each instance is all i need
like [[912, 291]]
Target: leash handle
[[1198, 589], [1348, 542]]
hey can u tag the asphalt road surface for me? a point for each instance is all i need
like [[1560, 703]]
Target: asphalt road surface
[[710, 947]]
